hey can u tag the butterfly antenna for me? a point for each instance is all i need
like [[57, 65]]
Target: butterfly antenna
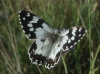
[[52, 19], [54, 23]]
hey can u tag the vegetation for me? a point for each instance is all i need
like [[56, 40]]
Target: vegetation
[[84, 59]]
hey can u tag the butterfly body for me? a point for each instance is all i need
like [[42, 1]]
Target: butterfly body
[[48, 43]]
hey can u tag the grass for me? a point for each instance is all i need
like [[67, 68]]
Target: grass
[[84, 59]]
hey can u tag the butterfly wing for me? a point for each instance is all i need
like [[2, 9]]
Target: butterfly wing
[[39, 50], [71, 36], [66, 40], [36, 28], [54, 55], [33, 26]]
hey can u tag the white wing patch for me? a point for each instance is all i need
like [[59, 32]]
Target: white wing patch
[[46, 28]]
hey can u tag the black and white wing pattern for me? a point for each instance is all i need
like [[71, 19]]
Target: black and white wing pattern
[[37, 29], [33, 26], [39, 50], [71, 36], [66, 40], [49, 43]]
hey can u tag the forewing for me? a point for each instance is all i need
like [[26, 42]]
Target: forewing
[[39, 50], [33, 26], [71, 36]]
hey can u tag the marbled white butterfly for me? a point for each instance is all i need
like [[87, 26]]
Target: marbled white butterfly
[[48, 43]]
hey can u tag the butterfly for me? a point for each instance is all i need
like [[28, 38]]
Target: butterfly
[[48, 43]]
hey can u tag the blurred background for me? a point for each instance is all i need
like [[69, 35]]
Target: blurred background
[[83, 59]]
